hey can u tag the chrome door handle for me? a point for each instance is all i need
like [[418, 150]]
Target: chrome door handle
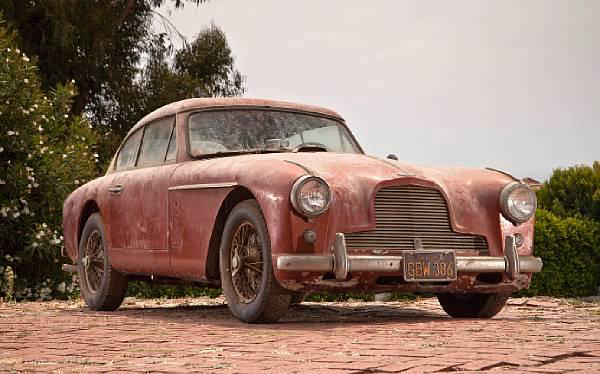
[[116, 189]]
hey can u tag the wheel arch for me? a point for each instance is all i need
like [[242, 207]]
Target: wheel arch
[[236, 196], [90, 207]]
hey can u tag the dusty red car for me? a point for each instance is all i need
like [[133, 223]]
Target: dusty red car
[[273, 200]]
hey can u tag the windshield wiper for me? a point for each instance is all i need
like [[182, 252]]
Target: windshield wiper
[[239, 152]]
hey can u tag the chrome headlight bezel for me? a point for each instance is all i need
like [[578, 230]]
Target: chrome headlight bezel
[[297, 188], [505, 207]]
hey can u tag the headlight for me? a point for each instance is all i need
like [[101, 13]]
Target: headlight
[[310, 196], [517, 202]]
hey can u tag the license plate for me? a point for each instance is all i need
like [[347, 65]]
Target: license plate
[[429, 266]]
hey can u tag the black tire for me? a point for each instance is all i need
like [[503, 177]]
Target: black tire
[[253, 296], [472, 305], [102, 287]]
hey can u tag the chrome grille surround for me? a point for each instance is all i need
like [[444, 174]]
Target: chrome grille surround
[[409, 212]]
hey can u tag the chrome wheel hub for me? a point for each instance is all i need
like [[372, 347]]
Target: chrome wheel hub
[[245, 259]]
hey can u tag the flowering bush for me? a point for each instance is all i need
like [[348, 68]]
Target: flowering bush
[[44, 154]]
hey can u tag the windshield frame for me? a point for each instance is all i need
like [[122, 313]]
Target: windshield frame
[[188, 147]]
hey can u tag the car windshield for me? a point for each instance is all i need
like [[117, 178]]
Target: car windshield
[[244, 130]]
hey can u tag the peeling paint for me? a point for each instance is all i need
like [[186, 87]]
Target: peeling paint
[[151, 230]]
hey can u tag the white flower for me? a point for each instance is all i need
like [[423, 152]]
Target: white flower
[[66, 116], [29, 156], [64, 155], [44, 225], [26, 80], [35, 185], [41, 142], [8, 49], [76, 181], [95, 155], [18, 51], [1, 149], [16, 214], [34, 244], [25, 58], [10, 133], [40, 128], [2, 182], [61, 287]]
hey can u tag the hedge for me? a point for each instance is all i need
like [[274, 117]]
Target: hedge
[[570, 250]]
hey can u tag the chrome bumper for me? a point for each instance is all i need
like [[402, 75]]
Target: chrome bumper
[[341, 264]]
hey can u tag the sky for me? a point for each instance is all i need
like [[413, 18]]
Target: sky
[[513, 85]]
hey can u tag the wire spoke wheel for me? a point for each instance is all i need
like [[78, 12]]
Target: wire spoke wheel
[[94, 261], [246, 256]]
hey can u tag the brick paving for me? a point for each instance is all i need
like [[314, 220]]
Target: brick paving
[[539, 335]]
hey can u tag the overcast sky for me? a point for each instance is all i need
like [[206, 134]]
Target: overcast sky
[[513, 85]]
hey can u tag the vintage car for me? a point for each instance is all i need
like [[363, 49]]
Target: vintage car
[[273, 200]]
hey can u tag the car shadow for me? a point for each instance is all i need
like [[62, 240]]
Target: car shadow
[[304, 316]]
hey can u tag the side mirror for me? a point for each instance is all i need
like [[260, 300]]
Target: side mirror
[[392, 156]]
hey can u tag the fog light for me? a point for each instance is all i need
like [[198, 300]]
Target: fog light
[[310, 236]]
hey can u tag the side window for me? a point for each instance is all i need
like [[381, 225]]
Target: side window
[[126, 157], [172, 150], [155, 142]]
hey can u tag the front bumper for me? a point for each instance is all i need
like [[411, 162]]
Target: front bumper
[[340, 263]]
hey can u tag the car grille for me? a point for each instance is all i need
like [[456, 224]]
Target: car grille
[[405, 213]]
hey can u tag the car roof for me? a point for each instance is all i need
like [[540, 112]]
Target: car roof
[[204, 103]]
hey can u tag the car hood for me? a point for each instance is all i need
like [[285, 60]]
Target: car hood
[[471, 194]]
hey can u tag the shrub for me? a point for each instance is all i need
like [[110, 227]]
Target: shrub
[[44, 154], [573, 191], [570, 249]]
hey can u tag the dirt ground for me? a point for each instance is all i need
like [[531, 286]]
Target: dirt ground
[[541, 335]]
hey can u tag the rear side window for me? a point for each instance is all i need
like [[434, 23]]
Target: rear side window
[[128, 153], [156, 141]]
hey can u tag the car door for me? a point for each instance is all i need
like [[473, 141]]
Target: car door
[[116, 225], [141, 200]]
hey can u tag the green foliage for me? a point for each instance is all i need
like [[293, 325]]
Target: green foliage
[[570, 250], [145, 290], [45, 153], [209, 63], [574, 191], [119, 63]]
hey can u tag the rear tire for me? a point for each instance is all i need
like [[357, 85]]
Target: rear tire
[[472, 305], [102, 287], [251, 290]]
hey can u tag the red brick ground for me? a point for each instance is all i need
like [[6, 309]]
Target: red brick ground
[[530, 335]]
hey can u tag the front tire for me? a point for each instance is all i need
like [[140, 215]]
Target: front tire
[[251, 290], [472, 305], [102, 287]]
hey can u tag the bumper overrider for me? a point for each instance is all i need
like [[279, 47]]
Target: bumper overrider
[[341, 264]]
